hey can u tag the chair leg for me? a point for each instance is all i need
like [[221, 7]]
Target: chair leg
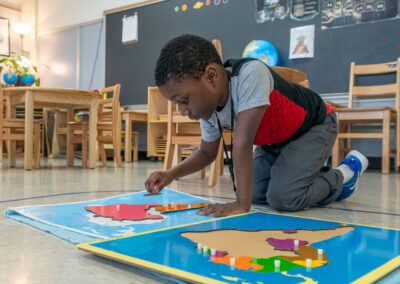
[[70, 146], [42, 138], [12, 151], [348, 147], [128, 141], [215, 167], [396, 143], [85, 144], [221, 165], [136, 146], [202, 173], [36, 145], [102, 154], [221, 162], [338, 146], [169, 155], [335, 153], [386, 143], [117, 146], [344, 144], [178, 154], [117, 154], [1, 144], [214, 171]]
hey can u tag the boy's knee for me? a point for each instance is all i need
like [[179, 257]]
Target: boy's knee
[[278, 200]]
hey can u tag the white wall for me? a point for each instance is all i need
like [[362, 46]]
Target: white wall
[[58, 59], [28, 16], [55, 14], [13, 16]]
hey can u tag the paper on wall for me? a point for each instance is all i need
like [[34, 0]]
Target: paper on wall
[[130, 29]]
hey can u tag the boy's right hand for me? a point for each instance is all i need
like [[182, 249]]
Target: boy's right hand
[[157, 180]]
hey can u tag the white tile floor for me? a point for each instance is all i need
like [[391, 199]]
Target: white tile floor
[[28, 255]]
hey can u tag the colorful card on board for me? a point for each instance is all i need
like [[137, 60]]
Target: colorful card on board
[[113, 216], [260, 247]]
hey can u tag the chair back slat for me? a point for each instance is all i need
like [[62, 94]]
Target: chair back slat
[[107, 101], [374, 91], [110, 89], [376, 69]]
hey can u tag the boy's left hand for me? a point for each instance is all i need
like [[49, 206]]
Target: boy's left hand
[[226, 209]]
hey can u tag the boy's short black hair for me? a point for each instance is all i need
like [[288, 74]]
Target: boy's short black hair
[[185, 56]]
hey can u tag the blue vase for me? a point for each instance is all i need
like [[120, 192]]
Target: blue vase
[[10, 78], [28, 79]]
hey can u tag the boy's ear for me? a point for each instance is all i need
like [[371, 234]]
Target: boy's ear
[[211, 74]]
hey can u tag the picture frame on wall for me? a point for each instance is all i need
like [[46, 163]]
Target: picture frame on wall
[[4, 37]]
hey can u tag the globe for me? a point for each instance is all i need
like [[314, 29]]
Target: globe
[[262, 50]]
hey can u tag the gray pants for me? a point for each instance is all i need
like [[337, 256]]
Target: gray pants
[[293, 177]]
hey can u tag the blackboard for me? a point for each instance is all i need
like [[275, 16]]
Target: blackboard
[[234, 24]]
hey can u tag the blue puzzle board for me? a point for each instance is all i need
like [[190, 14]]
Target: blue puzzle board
[[361, 255], [72, 222]]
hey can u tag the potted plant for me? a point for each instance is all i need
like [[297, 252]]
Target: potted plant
[[18, 71]]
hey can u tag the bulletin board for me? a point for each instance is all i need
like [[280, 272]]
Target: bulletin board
[[234, 23]]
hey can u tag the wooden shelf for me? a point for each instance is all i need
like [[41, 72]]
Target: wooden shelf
[[158, 121], [156, 128]]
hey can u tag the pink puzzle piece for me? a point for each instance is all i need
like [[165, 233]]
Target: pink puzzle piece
[[286, 244], [124, 211]]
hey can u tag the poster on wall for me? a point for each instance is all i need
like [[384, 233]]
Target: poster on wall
[[304, 10], [339, 13], [269, 10], [302, 42], [4, 37]]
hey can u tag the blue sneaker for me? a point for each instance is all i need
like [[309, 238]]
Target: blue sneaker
[[358, 163]]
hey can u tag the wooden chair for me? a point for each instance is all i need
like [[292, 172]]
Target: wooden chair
[[12, 129], [108, 129], [385, 116], [292, 75]]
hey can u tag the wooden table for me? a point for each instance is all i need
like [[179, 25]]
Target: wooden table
[[130, 116], [56, 98]]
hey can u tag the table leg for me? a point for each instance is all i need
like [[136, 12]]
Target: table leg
[[28, 146], [128, 138], [93, 133], [11, 145]]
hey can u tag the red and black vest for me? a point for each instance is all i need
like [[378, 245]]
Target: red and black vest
[[292, 111]]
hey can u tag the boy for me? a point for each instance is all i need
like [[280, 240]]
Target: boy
[[292, 127]]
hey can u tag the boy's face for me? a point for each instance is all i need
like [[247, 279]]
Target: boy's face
[[196, 98]]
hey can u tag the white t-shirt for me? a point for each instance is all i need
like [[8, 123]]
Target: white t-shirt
[[249, 89]]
